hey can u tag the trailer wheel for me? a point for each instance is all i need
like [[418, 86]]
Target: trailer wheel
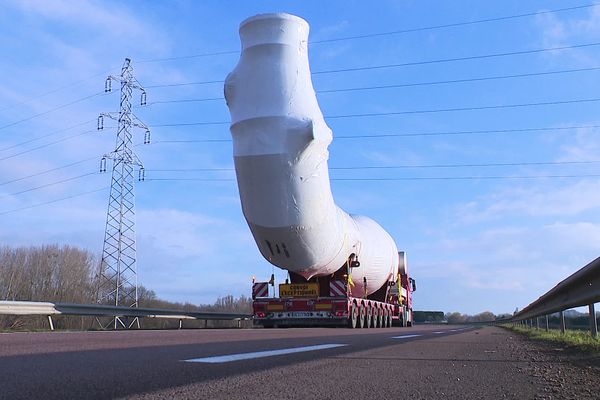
[[362, 317], [353, 318], [377, 318], [369, 316], [386, 319]]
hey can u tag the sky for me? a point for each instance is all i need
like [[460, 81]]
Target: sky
[[483, 169]]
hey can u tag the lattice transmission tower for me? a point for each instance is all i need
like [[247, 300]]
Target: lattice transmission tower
[[118, 284]]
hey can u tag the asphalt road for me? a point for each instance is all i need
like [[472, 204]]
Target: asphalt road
[[425, 362]]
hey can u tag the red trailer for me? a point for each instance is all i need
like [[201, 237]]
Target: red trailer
[[328, 301]]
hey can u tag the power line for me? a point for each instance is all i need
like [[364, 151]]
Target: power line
[[190, 56], [190, 124], [419, 134], [379, 34], [514, 164], [401, 85], [185, 84], [453, 25], [51, 110], [48, 185], [47, 135], [474, 108], [473, 132], [429, 83], [46, 145], [456, 178], [185, 100], [53, 201], [485, 78], [435, 110], [405, 166], [47, 171], [411, 178], [453, 59], [44, 94]]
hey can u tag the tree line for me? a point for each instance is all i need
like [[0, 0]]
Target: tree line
[[67, 274]]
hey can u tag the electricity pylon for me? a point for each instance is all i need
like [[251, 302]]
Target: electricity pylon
[[118, 270]]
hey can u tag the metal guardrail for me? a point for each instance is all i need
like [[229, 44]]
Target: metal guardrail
[[580, 289], [99, 310]]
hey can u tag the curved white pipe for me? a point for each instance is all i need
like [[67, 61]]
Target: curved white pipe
[[280, 142]]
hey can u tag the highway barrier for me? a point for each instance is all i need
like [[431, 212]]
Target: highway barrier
[[100, 310], [580, 289]]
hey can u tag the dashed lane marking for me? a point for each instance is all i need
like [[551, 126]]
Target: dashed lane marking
[[262, 354], [405, 336], [439, 332]]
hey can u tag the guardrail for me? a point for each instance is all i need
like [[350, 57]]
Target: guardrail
[[99, 310], [580, 289]]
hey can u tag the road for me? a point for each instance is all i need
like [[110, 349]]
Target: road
[[425, 362]]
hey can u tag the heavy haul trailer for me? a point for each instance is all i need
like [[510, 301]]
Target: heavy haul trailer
[[328, 301], [280, 151]]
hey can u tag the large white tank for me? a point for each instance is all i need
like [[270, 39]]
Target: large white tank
[[280, 142]]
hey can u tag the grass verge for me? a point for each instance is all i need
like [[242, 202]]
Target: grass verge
[[579, 339]]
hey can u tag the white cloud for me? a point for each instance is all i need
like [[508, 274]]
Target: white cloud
[[568, 199], [114, 20], [516, 259], [559, 31]]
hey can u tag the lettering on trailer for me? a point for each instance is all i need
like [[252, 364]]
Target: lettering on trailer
[[299, 290], [337, 289], [260, 289]]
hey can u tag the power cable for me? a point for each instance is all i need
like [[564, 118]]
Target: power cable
[[474, 108], [402, 85], [49, 184], [47, 135], [420, 134], [52, 110], [451, 81], [46, 145], [55, 90], [453, 25], [54, 201], [47, 171], [183, 84], [406, 166], [412, 178], [453, 59], [389, 33], [423, 63], [389, 113]]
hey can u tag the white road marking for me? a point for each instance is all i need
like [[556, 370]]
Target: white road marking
[[261, 354], [437, 333], [405, 336]]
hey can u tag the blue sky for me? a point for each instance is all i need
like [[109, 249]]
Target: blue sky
[[473, 244]]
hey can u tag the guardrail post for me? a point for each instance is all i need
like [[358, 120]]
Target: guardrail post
[[561, 317], [180, 323], [547, 324], [593, 322], [50, 322], [537, 322]]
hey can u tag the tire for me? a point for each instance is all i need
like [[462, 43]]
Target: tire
[[369, 316], [362, 318], [353, 317]]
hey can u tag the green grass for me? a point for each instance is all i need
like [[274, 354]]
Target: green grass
[[578, 339]]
